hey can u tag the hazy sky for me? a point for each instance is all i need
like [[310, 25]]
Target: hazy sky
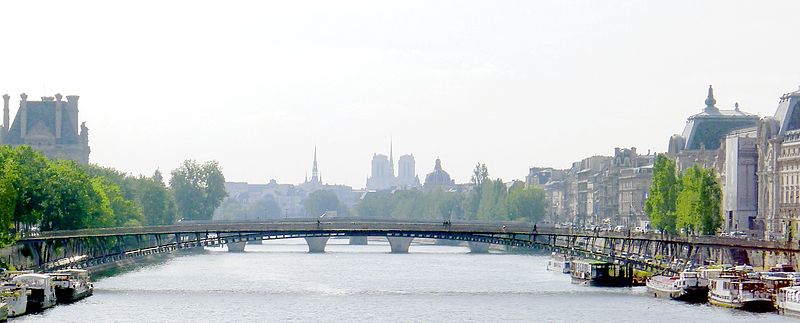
[[256, 85]]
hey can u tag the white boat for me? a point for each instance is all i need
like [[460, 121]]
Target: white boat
[[788, 301], [687, 286], [559, 263], [737, 291], [41, 294], [15, 296], [72, 285]]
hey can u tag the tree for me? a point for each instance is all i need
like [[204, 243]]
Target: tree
[[409, 204], [526, 204], [479, 175], [471, 203], [698, 202], [264, 208], [33, 171], [199, 189], [9, 175], [158, 204], [444, 204], [662, 197], [71, 200], [493, 201], [321, 201], [375, 205]]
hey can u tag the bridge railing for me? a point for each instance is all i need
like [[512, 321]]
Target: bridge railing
[[357, 224]]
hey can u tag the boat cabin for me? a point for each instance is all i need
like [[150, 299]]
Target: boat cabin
[[602, 273]]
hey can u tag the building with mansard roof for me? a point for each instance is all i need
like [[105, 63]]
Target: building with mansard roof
[[50, 126], [704, 132], [778, 170]]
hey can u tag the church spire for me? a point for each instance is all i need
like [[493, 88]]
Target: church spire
[[314, 170], [710, 101]]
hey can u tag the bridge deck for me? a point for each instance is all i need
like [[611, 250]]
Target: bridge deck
[[365, 226]]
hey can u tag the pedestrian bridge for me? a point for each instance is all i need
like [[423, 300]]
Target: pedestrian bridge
[[89, 247]]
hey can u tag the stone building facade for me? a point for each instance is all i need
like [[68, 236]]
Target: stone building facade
[[737, 170], [50, 126], [760, 174], [778, 170], [383, 177], [289, 197], [598, 190]]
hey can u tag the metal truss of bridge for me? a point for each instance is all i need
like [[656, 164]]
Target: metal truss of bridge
[[92, 247]]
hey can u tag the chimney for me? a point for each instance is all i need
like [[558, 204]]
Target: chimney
[[633, 151], [59, 109], [5, 111], [23, 119], [72, 111]]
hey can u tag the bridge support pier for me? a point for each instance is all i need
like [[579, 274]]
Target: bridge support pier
[[316, 244], [478, 247], [236, 246], [400, 244], [358, 240]]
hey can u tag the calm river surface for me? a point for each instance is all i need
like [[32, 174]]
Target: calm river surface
[[279, 281]]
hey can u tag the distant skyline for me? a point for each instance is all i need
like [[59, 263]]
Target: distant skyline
[[512, 84]]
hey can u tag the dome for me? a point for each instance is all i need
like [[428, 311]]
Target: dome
[[438, 177]]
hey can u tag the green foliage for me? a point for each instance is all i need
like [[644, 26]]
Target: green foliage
[[71, 201], [321, 201], [493, 201], [63, 195], [479, 175], [698, 203], [153, 203], [690, 201], [526, 204], [33, 171], [199, 189], [158, 203], [123, 212], [264, 208], [9, 175], [376, 205], [411, 204], [662, 196]]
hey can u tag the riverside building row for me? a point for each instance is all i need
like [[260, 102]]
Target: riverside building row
[[598, 190], [756, 158]]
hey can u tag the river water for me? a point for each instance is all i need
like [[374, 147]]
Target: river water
[[279, 281]]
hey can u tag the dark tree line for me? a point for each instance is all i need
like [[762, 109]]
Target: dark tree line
[[37, 193]]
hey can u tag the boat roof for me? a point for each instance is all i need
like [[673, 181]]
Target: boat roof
[[37, 276], [593, 262], [72, 270]]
